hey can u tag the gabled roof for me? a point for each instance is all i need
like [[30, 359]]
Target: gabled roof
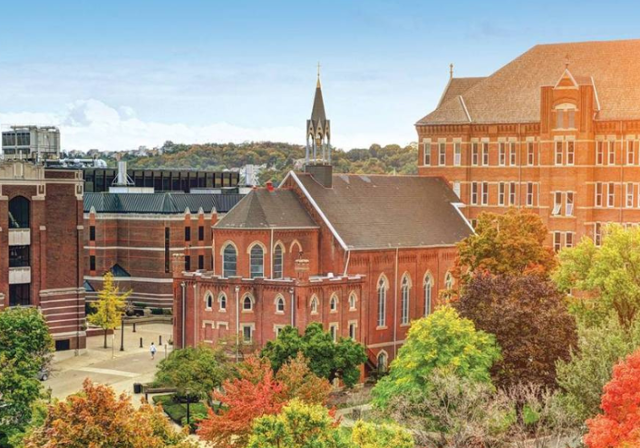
[[379, 211], [512, 94], [458, 86], [262, 208], [159, 203]]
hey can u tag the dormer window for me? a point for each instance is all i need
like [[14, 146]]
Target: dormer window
[[566, 116]]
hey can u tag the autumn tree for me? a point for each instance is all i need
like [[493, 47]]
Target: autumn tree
[[300, 382], [608, 276], [529, 318], [327, 359], [511, 243], [383, 435], [109, 307], [619, 425], [97, 418], [444, 341]]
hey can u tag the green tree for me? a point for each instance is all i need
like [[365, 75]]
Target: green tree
[[298, 425], [327, 359], [384, 435], [194, 371], [608, 277], [442, 341], [109, 306]]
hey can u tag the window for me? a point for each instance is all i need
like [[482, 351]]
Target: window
[[569, 206], [428, 292], [600, 152], [512, 154], [502, 154], [611, 194], [448, 281], [530, 194], [598, 195], [557, 241], [20, 294], [208, 301], [92, 262], [200, 233], [200, 261], [247, 304], [559, 118], [280, 304], [558, 157], [531, 155], [352, 330], [187, 233], [557, 203], [475, 154], [314, 305], [629, 201], [457, 153], [571, 115], [257, 261], [474, 193], [19, 256], [568, 239], [222, 301], [630, 153], [442, 153], [382, 302], [382, 362], [597, 234], [571, 152], [611, 152], [501, 193], [333, 304], [456, 188], [352, 301], [512, 193], [167, 249], [92, 233], [485, 153], [247, 334], [404, 309], [333, 331], [277, 262], [485, 193], [426, 148], [19, 213], [187, 263]]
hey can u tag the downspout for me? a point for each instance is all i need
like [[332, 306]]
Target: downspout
[[195, 314], [293, 305], [395, 306], [237, 289], [183, 285], [271, 256]]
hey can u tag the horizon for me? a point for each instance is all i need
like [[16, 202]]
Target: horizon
[[116, 77]]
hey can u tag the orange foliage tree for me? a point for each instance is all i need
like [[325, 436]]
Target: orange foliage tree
[[97, 418], [300, 382], [619, 426]]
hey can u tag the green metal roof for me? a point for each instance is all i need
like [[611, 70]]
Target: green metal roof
[[159, 203]]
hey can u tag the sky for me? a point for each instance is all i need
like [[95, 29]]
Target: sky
[[118, 74]]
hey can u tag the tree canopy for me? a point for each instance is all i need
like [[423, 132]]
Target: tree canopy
[[529, 318], [109, 307]]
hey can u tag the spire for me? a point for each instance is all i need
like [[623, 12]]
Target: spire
[[317, 112], [450, 71], [318, 83], [318, 149]]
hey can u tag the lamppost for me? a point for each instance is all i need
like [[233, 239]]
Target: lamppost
[[122, 333]]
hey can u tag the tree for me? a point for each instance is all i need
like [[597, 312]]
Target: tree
[[443, 341], [529, 318], [512, 243], [194, 371], [25, 347], [97, 418], [109, 306], [590, 367], [299, 425], [300, 382], [608, 276], [619, 425], [327, 359], [385, 435]]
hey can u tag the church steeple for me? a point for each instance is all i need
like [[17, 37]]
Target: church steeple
[[318, 131]]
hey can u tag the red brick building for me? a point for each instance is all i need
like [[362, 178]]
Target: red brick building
[[556, 131], [363, 255], [41, 229]]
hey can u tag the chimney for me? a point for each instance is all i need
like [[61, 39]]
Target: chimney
[[302, 269], [178, 264], [321, 172], [269, 185]]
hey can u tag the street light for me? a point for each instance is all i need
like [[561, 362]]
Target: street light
[[122, 333]]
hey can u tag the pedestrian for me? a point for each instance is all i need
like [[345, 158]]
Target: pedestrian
[[153, 350]]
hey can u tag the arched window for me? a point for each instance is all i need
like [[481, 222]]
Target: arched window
[[382, 361], [404, 310], [382, 302], [222, 300], [247, 303], [314, 305], [229, 261], [428, 292], [277, 262], [257, 261], [209, 301], [19, 213], [448, 281], [279, 304], [352, 301], [333, 304]]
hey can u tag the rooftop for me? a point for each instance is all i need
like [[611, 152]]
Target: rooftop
[[159, 203]]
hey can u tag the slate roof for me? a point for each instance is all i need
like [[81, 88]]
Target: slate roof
[[378, 211], [458, 86], [262, 208], [512, 94], [159, 203]]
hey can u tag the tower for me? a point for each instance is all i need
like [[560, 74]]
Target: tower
[[318, 131]]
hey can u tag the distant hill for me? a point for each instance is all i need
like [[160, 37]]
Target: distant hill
[[278, 157]]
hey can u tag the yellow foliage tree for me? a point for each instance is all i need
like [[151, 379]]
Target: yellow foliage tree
[[109, 307]]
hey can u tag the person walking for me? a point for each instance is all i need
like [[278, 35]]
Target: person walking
[[153, 350]]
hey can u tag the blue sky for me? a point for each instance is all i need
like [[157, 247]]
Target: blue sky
[[119, 74]]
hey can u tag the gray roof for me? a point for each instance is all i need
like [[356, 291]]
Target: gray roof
[[377, 211], [159, 203], [262, 208]]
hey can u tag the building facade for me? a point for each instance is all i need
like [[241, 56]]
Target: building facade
[[41, 233], [555, 131]]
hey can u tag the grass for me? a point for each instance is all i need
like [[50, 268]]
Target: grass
[[178, 411]]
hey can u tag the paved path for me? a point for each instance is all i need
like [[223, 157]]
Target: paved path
[[113, 367]]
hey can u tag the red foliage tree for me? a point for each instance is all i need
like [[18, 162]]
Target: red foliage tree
[[619, 426], [300, 382]]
